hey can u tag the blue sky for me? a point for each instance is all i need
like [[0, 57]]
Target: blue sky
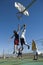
[[9, 22]]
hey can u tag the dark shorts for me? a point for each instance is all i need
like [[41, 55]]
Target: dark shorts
[[22, 41], [16, 42]]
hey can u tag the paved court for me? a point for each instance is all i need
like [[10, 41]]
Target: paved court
[[22, 61]]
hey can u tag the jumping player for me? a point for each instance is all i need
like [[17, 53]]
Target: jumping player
[[16, 40], [22, 37]]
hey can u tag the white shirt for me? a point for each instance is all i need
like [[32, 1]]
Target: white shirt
[[23, 34]]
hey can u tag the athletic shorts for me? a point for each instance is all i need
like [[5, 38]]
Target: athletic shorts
[[16, 42], [22, 41]]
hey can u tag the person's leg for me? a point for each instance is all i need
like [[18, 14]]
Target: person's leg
[[16, 43], [25, 43], [36, 55], [18, 54], [27, 46], [21, 54], [21, 41], [14, 49]]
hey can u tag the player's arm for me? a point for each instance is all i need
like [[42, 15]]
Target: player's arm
[[12, 36], [18, 30]]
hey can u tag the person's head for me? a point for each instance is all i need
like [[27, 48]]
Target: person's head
[[24, 25], [15, 32], [33, 42]]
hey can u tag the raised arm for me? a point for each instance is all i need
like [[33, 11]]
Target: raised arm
[[12, 36], [18, 30]]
